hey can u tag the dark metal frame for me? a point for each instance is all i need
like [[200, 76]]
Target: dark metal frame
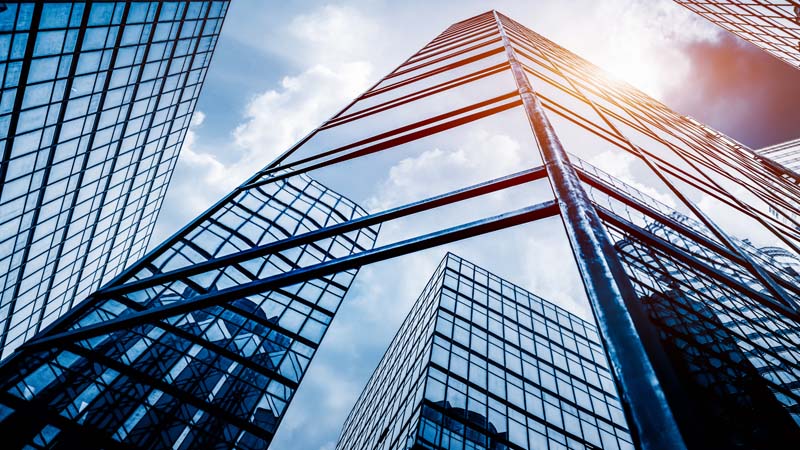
[[696, 150], [762, 22], [125, 244]]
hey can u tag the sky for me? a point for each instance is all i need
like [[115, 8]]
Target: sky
[[281, 68]]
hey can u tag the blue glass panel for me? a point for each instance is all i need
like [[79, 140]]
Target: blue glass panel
[[162, 32], [37, 94], [48, 43], [63, 67], [18, 48], [43, 69], [29, 120], [5, 46], [4, 122], [77, 14], [101, 13], [216, 9], [69, 42], [24, 16], [95, 38], [195, 10], [12, 76], [118, 13], [55, 15], [88, 62], [26, 143], [168, 11], [7, 101], [138, 12], [58, 92], [132, 34], [7, 17]]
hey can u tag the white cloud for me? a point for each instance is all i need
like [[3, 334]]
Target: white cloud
[[330, 44], [277, 118], [334, 33], [482, 156], [184, 200]]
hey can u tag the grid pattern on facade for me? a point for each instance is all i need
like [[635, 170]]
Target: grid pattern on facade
[[214, 377], [479, 72], [95, 103], [705, 272], [772, 25], [696, 294], [481, 363], [765, 333], [785, 153]]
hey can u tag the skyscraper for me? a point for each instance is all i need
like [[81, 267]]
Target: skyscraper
[[215, 375], [95, 102], [772, 25], [487, 74], [480, 363]]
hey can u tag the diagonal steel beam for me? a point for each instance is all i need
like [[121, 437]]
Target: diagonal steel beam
[[608, 288], [327, 268], [459, 195]]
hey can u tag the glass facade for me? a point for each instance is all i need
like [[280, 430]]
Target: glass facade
[[480, 363], [693, 230], [772, 25], [731, 360], [95, 102], [785, 153], [219, 363]]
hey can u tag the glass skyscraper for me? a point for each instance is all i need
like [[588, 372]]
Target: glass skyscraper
[[206, 373], [172, 351], [480, 363], [96, 99], [772, 25]]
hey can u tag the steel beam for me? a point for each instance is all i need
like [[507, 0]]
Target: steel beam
[[326, 268], [608, 288], [331, 231], [118, 286]]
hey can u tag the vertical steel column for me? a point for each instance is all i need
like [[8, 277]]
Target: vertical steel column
[[607, 286]]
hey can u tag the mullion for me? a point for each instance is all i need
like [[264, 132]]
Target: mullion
[[51, 153], [171, 122], [118, 147]]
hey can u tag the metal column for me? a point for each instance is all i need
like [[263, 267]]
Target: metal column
[[607, 286]]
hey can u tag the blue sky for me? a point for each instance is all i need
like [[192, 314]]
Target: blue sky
[[280, 68]]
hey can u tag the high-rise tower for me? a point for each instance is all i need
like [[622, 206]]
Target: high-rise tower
[[95, 101], [772, 25], [480, 363], [487, 74], [208, 374]]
